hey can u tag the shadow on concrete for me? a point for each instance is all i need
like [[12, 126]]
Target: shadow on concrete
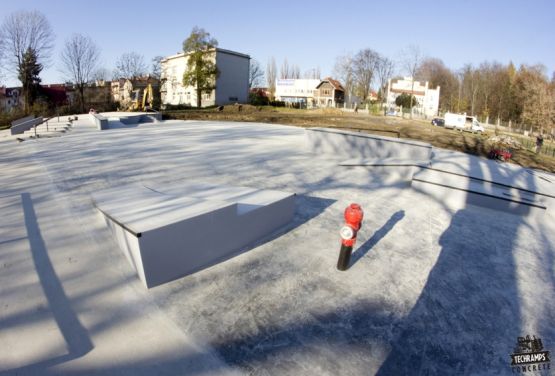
[[468, 317], [378, 235], [75, 335]]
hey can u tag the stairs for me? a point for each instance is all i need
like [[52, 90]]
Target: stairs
[[458, 191]]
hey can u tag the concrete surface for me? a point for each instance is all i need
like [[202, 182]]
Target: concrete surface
[[430, 291]]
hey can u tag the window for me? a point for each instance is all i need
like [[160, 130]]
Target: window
[[233, 99], [326, 92]]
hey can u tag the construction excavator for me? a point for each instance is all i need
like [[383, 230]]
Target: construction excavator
[[142, 102]]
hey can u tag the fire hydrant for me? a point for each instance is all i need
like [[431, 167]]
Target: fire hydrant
[[353, 222]]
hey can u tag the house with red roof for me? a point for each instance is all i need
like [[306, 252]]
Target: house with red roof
[[329, 93]]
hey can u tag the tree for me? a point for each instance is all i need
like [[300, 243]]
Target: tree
[[79, 60], [256, 74], [536, 97], [284, 71], [22, 33], [343, 70], [384, 71], [295, 71], [156, 70], [411, 61], [271, 73], [29, 76], [313, 74], [405, 100], [201, 70], [130, 65], [364, 66], [101, 74], [437, 74]]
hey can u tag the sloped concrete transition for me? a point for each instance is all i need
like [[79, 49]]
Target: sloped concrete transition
[[455, 259]]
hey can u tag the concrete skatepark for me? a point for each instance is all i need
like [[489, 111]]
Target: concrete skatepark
[[439, 283]]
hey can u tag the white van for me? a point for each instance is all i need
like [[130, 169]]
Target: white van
[[463, 123]]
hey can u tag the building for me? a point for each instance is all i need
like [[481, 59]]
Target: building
[[296, 91], [427, 98], [55, 94], [232, 84], [329, 93], [10, 98]]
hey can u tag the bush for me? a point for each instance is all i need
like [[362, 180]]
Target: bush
[[258, 99], [177, 107]]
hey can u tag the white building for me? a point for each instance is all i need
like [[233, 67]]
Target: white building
[[296, 90], [232, 85], [427, 98]]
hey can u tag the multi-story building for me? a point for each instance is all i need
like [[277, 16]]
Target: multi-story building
[[232, 83], [427, 99], [10, 98], [296, 91]]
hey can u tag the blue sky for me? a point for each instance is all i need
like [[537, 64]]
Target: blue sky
[[308, 33]]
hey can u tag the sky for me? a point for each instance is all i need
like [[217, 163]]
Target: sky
[[308, 33]]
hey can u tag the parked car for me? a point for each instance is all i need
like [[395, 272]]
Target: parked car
[[438, 122]]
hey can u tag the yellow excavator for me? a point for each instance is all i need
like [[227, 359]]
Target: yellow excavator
[[148, 98], [141, 102]]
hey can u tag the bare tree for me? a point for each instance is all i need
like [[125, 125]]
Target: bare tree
[[100, 74], [343, 70], [365, 63], [295, 71], [284, 71], [384, 71], [156, 70], [79, 60], [313, 73], [25, 30], [411, 58], [437, 74], [20, 33], [130, 65], [256, 74], [271, 75]]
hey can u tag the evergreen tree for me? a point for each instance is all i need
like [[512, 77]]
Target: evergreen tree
[[28, 74], [201, 70]]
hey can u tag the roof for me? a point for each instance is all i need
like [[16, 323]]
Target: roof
[[219, 50], [336, 84]]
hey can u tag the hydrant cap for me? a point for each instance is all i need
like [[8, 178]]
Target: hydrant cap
[[354, 214]]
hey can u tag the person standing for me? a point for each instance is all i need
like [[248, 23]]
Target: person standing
[[539, 143]]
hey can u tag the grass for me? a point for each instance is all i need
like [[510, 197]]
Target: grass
[[389, 126]]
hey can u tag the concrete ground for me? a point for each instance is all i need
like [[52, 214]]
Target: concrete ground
[[431, 290]]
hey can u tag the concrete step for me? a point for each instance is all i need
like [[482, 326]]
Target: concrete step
[[457, 191]]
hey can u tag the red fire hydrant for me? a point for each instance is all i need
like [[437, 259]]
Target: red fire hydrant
[[353, 222]]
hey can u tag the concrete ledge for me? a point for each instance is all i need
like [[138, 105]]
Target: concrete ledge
[[169, 234], [385, 162], [356, 145], [100, 121], [457, 191]]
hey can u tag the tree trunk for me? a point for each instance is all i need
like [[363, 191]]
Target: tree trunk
[[82, 95], [199, 97]]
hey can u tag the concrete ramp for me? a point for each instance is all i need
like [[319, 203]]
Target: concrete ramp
[[360, 145], [172, 232], [457, 191]]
